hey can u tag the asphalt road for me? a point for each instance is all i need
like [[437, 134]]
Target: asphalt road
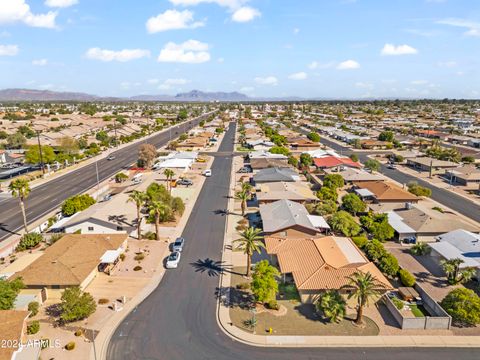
[[445, 197], [47, 197], [178, 320]]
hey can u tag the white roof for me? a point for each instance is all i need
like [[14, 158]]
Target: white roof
[[318, 221], [60, 223], [396, 222], [110, 256], [319, 153], [364, 192], [265, 154], [176, 163], [349, 250], [448, 251]]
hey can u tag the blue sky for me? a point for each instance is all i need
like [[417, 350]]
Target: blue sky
[[308, 48]]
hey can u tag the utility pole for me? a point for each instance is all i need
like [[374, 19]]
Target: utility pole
[[115, 129], [41, 153]]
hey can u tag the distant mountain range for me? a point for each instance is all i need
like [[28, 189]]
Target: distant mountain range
[[47, 95]]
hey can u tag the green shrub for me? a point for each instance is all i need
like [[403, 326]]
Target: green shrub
[[272, 304], [139, 257], [103, 301], [137, 268], [33, 307], [398, 303], [420, 249], [77, 203], [463, 305], [78, 332], [149, 235], [419, 190], [70, 346], [360, 241], [389, 265], [29, 241], [33, 327], [54, 238], [406, 278], [122, 256]]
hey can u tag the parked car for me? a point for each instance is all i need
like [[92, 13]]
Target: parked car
[[111, 157], [207, 173], [178, 244], [173, 260], [410, 240], [391, 166], [244, 170], [186, 182], [137, 179], [107, 197]]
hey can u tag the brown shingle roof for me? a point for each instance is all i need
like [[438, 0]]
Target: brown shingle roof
[[385, 191], [70, 260], [11, 328], [320, 263]]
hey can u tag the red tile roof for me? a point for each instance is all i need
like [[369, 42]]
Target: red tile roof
[[332, 161]]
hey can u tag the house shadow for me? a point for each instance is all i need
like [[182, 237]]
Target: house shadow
[[386, 315]]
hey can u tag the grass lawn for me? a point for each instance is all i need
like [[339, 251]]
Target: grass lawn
[[418, 310], [241, 148]]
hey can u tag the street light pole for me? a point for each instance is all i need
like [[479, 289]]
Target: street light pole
[[41, 153]]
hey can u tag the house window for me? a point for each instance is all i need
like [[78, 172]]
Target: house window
[[90, 228]]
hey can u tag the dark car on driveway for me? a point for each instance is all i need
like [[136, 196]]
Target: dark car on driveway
[[186, 182]]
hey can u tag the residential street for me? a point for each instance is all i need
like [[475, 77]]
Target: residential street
[[50, 195], [178, 320]]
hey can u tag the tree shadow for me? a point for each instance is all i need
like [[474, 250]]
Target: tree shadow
[[212, 267], [222, 212], [119, 219], [232, 297], [4, 227]]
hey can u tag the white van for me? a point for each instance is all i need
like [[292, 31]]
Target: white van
[[207, 173], [137, 179]]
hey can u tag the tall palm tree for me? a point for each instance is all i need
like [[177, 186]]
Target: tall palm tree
[[21, 189], [247, 187], [364, 290], [250, 242], [138, 198], [159, 211], [169, 173], [243, 196]]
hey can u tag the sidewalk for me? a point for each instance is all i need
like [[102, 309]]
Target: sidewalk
[[231, 258]]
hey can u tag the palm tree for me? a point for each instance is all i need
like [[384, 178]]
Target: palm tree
[[138, 198], [169, 173], [250, 242], [364, 290], [159, 211], [247, 187], [21, 189], [243, 196], [332, 305], [456, 275]]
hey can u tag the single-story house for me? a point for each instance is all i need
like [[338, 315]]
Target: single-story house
[[287, 218], [262, 154], [303, 145], [264, 163], [174, 163], [73, 260], [458, 244], [412, 221], [259, 144], [465, 175], [275, 174], [295, 191], [383, 191], [319, 153], [371, 144], [351, 175], [329, 162], [13, 330], [321, 264], [431, 164]]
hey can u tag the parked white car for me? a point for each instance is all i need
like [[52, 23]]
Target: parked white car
[[207, 173], [173, 260]]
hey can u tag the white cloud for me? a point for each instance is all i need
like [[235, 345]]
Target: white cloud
[[112, 55], [61, 3], [13, 11], [348, 65], [8, 50], [298, 76], [316, 65], [247, 89], [268, 80], [392, 50], [153, 81], [473, 28], [419, 82], [232, 4], [191, 52], [172, 20], [245, 14], [40, 62]]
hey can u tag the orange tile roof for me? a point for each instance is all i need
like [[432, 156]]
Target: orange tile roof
[[11, 329], [320, 263], [385, 191]]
